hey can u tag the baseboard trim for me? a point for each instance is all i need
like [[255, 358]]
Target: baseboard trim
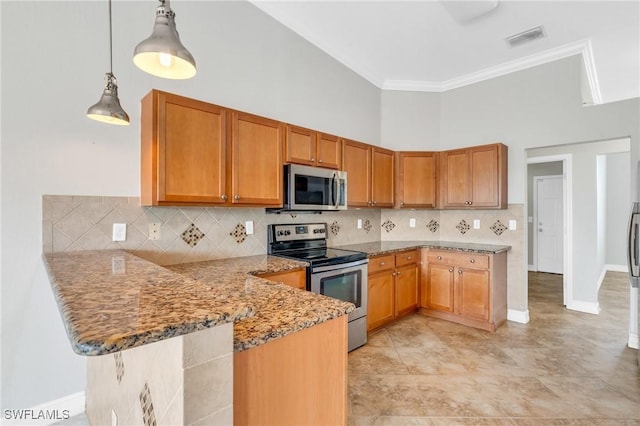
[[518, 316], [533, 268], [586, 307], [601, 277], [616, 268], [634, 341], [57, 410]]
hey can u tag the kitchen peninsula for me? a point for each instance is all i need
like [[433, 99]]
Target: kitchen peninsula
[[167, 340]]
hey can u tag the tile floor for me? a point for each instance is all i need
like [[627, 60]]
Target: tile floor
[[563, 368]]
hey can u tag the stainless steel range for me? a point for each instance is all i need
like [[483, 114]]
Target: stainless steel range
[[337, 273]]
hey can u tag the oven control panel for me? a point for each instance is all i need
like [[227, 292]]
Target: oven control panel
[[296, 232]]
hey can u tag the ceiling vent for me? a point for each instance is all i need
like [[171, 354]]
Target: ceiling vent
[[526, 36]]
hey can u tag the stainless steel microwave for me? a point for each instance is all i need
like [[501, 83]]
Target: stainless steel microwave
[[313, 189]]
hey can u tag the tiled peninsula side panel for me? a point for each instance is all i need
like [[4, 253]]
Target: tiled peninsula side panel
[[187, 234], [187, 380], [457, 226]]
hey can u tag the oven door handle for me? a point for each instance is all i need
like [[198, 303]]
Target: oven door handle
[[325, 268]]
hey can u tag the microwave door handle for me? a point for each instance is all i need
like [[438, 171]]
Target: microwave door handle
[[336, 186]]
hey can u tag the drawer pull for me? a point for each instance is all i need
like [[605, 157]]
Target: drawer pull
[[450, 269], [460, 271], [439, 257], [408, 257], [381, 263], [472, 261]]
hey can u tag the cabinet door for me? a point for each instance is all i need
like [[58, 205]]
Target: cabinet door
[[328, 152], [256, 155], [382, 161], [485, 176], [357, 164], [190, 150], [416, 183], [296, 278], [473, 290], [406, 289], [300, 145], [455, 178], [440, 287], [380, 299]]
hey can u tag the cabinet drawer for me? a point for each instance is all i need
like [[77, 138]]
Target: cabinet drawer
[[459, 259], [407, 257], [380, 263]]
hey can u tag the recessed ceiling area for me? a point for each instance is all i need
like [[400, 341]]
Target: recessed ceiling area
[[440, 45]]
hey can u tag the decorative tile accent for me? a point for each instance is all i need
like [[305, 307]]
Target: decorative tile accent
[[192, 235], [335, 228], [388, 225], [148, 415], [119, 366], [239, 233], [367, 225], [498, 227], [433, 225], [463, 226]]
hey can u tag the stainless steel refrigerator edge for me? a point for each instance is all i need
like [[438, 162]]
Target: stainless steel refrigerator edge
[[633, 259]]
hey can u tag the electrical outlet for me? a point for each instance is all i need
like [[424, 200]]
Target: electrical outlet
[[248, 226], [359, 225], [119, 232], [412, 222], [513, 225], [154, 231], [476, 223]]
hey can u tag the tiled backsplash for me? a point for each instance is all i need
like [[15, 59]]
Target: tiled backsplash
[[190, 234], [186, 233]]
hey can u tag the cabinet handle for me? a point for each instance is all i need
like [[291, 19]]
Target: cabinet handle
[[472, 261], [224, 197], [450, 269], [408, 257], [439, 257], [236, 197], [313, 159], [401, 203], [398, 273], [320, 161], [369, 202], [460, 271], [393, 274], [381, 263], [374, 202]]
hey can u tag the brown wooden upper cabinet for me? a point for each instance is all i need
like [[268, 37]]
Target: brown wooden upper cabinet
[[370, 174], [196, 153], [416, 181], [474, 177], [305, 146]]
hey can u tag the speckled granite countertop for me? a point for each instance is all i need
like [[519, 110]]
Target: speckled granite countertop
[[111, 300], [279, 309], [384, 247]]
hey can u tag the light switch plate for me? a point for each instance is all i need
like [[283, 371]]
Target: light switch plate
[[412, 222], [513, 225], [476, 223], [248, 226], [119, 232], [359, 224]]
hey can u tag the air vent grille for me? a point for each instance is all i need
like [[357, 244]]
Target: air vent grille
[[526, 36]]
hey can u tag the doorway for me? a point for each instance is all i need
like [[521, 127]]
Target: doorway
[[548, 229]]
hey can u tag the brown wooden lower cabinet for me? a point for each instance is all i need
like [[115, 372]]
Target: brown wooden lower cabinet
[[393, 287], [467, 288], [299, 379], [295, 278]]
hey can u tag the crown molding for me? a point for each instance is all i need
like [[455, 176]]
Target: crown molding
[[581, 47]]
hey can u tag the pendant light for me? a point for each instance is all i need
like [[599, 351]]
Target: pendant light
[[162, 54], [108, 109]]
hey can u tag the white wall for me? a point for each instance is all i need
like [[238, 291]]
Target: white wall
[[410, 120], [618, 207], [54, 56]]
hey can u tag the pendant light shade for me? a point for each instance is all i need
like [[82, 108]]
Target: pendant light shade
[[162, 54], [108, 109]]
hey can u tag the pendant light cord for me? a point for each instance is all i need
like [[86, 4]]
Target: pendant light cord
[[110, 43]]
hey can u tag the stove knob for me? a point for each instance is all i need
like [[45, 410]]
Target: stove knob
[[287, 232]]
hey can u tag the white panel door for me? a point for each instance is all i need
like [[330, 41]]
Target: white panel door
[[549, 226]]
